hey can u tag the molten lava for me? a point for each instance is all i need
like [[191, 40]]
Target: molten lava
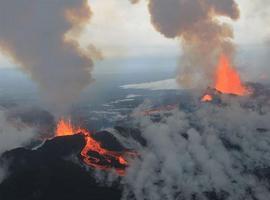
[[93, 154], [207, 98], [228, 80], [64, 128]]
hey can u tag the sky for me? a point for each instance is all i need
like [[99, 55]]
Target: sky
[[121, 30], [120, 25]]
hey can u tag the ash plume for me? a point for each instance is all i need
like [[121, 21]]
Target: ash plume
[[204, 37], [39, 37]]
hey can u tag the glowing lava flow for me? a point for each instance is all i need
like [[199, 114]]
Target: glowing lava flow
[[93, 154], [207, 98], [228, 80]]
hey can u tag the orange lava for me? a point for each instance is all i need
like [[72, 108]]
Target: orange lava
[[207, 98], [228, 80], [65, 127]]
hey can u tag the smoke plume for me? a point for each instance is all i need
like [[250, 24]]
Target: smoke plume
[[38, 35], [203, 36]]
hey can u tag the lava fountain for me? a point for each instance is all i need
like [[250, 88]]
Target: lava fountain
[[228, 80], [64, 128], [93, 154]]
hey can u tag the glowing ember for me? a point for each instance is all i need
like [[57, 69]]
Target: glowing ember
[[207, 98], [228, 80], [102, 158]]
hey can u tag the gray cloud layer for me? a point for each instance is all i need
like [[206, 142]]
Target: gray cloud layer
[[214, 149]]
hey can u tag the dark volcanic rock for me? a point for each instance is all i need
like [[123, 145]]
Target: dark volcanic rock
[[47, 174], [108, 141], [131, 132], [59, 180], [63, 146], [52, 150]]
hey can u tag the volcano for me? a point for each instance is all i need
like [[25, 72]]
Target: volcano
[[46, 174], [93, 154], [66, 166], [63, 168]]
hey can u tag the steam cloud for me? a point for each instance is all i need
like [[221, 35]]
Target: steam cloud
[[37, 36], [12, 135], [203, 36], [214, 152]]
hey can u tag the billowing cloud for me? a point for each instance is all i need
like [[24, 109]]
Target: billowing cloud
[[39, 36], [204, 37], [214, 151]]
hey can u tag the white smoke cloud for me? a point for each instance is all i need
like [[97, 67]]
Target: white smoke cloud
[[217, 149], [12, 135], [167, 84]]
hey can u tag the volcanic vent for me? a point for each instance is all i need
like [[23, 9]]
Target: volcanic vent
[[226, 81], [49, 172], [64, 166], [94, 154]]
